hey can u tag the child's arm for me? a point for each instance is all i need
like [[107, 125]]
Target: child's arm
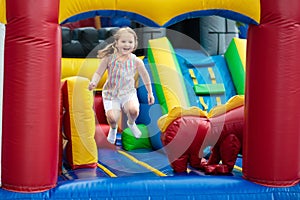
[[146, 79], [98, 74]]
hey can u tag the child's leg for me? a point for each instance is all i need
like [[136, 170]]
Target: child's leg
[[131, 109], [112, 110], [112, 118]]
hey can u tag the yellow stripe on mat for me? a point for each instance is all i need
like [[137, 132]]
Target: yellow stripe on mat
[[238, 168], [133, 159], [235, 167], [107, 171]]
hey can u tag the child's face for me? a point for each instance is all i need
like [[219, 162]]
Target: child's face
[[125, 43]]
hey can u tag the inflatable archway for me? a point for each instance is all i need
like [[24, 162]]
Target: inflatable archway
[[32, 80], [158, 13]]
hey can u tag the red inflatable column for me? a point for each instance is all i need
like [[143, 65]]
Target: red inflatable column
[[31, 95], [272, 137]]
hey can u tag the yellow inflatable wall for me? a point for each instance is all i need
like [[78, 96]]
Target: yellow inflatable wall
[[2, 11], [81, 67], [79, 122]]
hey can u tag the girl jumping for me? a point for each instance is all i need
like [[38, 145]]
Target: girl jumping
[[119, 92]]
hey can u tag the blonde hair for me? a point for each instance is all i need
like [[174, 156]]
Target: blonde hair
[[111, 48]]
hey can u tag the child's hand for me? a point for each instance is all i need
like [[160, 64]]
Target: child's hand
[[151, 99], [92, 85]]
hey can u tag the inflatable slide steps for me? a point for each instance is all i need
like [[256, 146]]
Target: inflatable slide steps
[[187, 77], [208, 76], [222, 69], [199, 70]]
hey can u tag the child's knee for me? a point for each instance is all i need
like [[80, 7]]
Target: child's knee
[[134, 111], [112, 117]]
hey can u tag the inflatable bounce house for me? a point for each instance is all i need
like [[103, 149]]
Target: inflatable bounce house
[[225, 123]]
